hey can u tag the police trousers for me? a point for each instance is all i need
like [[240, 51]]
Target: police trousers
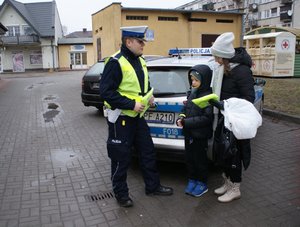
[[123, 135]]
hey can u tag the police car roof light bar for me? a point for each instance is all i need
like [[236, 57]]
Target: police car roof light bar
[[189, 51]]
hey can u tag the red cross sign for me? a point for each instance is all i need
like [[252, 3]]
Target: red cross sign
[[285, 44]]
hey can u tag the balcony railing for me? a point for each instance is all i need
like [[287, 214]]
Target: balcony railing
[[285, 17], [286, 1], [20, 40]]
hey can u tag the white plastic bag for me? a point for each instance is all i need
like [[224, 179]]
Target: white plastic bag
[[113, 115], [241, 117]]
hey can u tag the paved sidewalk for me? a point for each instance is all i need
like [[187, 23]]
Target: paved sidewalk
[[54, 169]]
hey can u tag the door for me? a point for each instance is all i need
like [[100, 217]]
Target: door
[[78, 60], [18, 62], [208, 40], [99, 54]]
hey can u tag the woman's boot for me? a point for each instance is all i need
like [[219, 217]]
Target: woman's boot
[[223, 189], [231, 194]]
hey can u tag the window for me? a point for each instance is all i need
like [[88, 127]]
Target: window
[[265, 14], [168, 18], [169, 80], [27, 30], [13, 30], [36, 58], [198, 19], [84, 58], [231, 6], [136, 17], [224, 21], [274, 12]]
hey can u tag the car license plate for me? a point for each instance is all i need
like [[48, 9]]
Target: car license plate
[[95, 85], [160, 117]]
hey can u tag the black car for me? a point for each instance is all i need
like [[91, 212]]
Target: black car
[[90, 94]]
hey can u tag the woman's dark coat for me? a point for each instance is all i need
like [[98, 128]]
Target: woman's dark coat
[[239, 83]]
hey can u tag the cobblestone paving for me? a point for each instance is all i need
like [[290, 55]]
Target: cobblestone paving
[[54, 170]]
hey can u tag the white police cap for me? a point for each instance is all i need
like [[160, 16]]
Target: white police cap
[[137, 32]]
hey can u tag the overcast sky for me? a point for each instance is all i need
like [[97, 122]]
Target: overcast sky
[[76, 14]]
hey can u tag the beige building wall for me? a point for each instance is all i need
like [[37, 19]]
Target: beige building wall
[[183, 33], [64, 55], [106, 25]]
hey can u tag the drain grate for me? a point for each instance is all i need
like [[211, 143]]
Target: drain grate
[[100, 196]]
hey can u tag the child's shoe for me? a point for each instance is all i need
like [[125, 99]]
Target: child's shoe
[[200, 189], [190, 186]]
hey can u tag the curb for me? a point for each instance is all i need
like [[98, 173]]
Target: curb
[[282, 116]]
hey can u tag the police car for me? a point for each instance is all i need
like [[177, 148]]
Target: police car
[[169, 78]]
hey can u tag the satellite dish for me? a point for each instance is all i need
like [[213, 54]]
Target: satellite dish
[[290, 12], [254, 6]]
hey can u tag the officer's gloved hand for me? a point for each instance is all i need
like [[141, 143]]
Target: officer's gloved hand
[[218, 104]]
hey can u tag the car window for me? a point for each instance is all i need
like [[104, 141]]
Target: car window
[[96, 69], [171, 80]]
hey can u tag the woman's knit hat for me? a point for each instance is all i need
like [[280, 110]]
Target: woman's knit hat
[[223, 46]]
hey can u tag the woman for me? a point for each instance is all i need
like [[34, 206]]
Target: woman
[[237, 82]]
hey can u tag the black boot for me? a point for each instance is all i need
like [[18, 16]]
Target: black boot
[[125, 202], [162, 190]]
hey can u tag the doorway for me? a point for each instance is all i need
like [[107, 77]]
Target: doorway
[[78, 60], [208, 40]]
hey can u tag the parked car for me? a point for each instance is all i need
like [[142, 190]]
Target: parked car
[[90, 95], [169, 78]]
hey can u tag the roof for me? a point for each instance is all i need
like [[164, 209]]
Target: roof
[[40, 16], [268, 35], [3, 29], [170, 10], [183, 10], [75, 40], [263, 30], [80, 34]]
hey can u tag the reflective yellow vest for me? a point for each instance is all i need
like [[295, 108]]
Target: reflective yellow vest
[[130, 86]]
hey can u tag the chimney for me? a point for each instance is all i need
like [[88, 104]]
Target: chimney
[[84, 29]]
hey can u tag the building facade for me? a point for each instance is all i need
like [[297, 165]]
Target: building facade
[[31, 40], [75, 51], [168, 28], [258, 13]]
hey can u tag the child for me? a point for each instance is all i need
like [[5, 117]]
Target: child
[[197, 128]]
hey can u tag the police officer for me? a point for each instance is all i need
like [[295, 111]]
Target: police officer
[[124, 84]]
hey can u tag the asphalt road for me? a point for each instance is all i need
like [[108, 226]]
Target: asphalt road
[[54, 170]]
